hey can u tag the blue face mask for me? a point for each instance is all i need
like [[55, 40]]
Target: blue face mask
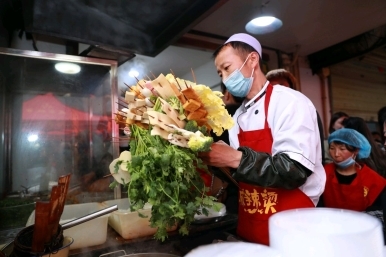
[[237, 84], [346, 163]]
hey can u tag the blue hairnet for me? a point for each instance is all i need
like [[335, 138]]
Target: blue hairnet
[[353, 138]]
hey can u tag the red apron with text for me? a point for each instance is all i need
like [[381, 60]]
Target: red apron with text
[[357, 196], [257, 204]]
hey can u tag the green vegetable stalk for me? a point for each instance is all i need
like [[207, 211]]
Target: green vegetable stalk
[[166, 176]]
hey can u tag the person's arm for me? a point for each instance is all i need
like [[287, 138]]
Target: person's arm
[[295, 149], [296, 145], [264, 170]]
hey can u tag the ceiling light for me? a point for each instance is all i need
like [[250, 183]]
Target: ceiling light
[[133, 73], [32, 138], [68, 68], [263, 24]]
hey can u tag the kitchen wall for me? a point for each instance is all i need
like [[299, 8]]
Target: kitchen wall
[[312, 87]]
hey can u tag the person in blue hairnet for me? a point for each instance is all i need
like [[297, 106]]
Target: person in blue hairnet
[[351, 184]]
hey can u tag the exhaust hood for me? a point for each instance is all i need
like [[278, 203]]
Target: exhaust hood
[[135, 26]]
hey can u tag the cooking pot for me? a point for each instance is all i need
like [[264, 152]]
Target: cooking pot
[[61, 252], [25, 250]]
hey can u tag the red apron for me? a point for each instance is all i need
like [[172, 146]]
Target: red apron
[[358, 195], [257, 204]]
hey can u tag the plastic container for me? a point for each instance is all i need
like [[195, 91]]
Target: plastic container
[[90, 233], [129, 224]]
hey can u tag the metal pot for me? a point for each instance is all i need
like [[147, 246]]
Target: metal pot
[[138, 254], [61, 252]]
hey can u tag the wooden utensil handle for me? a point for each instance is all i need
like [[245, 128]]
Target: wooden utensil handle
[[42, 214]]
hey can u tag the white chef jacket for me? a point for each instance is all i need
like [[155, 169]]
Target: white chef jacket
[[294, 127]]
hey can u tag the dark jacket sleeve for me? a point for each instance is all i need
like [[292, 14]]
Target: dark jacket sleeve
[[380, 205], [262, 169]]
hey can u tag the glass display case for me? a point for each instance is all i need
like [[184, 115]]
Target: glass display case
[[55, 119]]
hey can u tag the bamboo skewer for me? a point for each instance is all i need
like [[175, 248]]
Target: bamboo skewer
[[118, 121], [186, 84], [138, 82], [153, 75], [132, 89], [120, 114], [184, 96], [194, 77], [227, 172], [175, 78], [125, 106], [122, 100], [121, 139]]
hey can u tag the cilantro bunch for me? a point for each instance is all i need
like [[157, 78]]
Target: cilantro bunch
[[166, 176]]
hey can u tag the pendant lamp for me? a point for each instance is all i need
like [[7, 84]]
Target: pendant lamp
[[263, 23]]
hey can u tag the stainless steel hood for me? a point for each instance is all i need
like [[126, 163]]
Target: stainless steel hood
[[139, 26]]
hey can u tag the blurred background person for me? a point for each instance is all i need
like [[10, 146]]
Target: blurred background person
[[285, 78], [384, 133], [336, 121], [378, 139], [351, 184], [377, 157], [381, 123], [281, 77]]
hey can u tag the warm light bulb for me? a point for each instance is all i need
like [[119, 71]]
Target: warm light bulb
[[68, 68]]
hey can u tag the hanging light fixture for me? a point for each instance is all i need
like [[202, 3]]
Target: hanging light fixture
[[263, 24], [67, 67]]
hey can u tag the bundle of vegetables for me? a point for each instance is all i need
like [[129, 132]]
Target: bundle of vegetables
[[169, 120]]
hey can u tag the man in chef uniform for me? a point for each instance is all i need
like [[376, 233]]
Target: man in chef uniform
[[274, 147]]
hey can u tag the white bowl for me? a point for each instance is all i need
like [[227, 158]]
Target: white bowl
[[233, 249], [325, 232]]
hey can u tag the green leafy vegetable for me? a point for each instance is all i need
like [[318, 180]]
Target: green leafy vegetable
[[166, 176]]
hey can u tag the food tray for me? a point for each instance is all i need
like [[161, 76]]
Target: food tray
[[129, 224]]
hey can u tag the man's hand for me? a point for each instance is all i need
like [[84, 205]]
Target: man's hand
[[221, 155]]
